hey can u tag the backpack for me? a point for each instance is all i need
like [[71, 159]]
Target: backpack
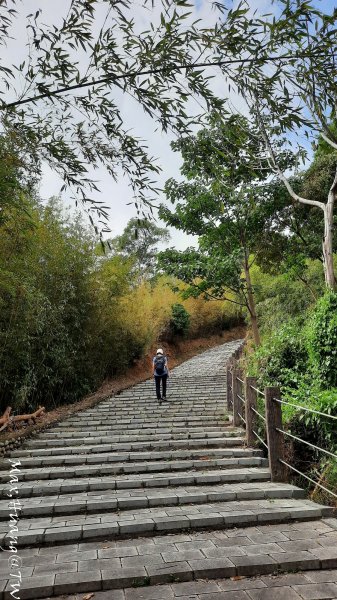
[[159, 362]]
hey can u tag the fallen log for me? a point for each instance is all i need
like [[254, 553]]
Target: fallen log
[[6, 419], [5, 416], [33, 416]]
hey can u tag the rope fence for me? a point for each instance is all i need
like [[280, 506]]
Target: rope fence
[[243, 393], [301, 407]]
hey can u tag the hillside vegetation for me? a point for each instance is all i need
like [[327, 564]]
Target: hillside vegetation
[[71, 315]]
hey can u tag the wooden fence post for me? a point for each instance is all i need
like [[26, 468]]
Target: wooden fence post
[[251, 402], [236, 401], [229, 381], [275, 438]]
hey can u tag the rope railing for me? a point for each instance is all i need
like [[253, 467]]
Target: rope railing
[[311, 410], [260, 439], [316, 483], [294, 437], [258, 414], [244, 391], [256, 390]]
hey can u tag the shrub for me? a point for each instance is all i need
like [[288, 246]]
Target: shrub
[[180, 320], [281, 298], [313, 427], [322, 340], [282, 358]]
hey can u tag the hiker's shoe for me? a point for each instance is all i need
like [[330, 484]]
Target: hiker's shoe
[[165, 399]]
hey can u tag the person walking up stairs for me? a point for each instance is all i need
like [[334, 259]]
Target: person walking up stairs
[[160, 373]]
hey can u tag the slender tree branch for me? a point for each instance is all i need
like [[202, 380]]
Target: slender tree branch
[[333, 189], [328, 141], [280, 173], [209, 295], [319, 119], [110, 79]]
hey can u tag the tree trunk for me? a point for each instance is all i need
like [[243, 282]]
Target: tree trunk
[[330, 279], [251, 303]]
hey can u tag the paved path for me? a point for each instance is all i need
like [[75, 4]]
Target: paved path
[[132, 499]]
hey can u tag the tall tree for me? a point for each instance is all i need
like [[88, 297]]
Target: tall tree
[[226, 202], [295, 94], [138, 242]]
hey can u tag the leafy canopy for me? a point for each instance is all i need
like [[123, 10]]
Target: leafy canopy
[[64, 98], [225, 201]]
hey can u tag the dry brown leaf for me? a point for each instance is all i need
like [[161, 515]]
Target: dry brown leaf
[[237, 577], [88, 596]]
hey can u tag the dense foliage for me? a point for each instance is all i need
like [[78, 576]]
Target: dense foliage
[[299, 356], [70, 316], [63, 94], [322, 340], [139, 242]]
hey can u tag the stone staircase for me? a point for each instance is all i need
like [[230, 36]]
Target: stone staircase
[[131, 494]]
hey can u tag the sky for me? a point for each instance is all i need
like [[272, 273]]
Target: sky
[[117, 195]]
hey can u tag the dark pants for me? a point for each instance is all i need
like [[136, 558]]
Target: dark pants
[[159, 378]]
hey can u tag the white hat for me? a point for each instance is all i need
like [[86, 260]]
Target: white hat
[[160, 351]]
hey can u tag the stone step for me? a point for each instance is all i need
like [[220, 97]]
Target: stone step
[[71, 486], [128, 429], [168, 466], [131, 446], [211, 400], [204, 390], [181, 384], [146, 567], [81, 459], [200, 399], [147, 403], [165, 416], [106, 424], [116, 406], [146, 498], [159, 414], [311, 584], [132, 429], [135, 522], [122, 404], [227, 440], [164, 410]]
